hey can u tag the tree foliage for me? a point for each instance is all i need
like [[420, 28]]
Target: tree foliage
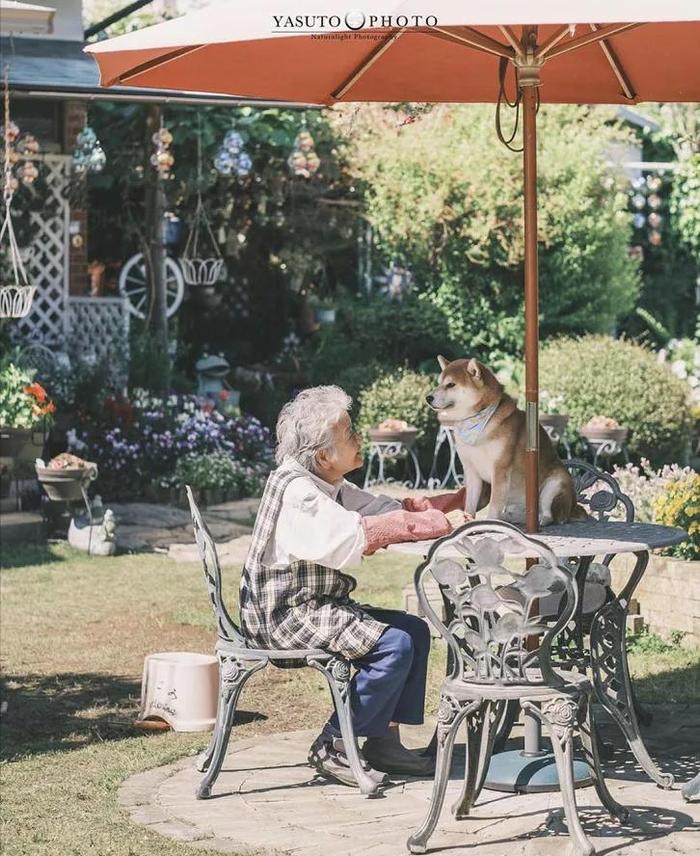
[[445, 198]]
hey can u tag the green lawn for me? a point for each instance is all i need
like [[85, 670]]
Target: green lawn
[[74, 634]]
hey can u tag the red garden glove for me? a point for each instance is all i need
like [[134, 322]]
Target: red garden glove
[[446, 502], [396, 526]]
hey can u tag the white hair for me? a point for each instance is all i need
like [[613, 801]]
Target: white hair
[[305, 424]]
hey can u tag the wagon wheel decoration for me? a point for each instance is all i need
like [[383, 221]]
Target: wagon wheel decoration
[[135, 285]]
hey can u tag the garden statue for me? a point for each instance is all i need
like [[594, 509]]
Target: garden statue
[[96, 537], [211, 377]]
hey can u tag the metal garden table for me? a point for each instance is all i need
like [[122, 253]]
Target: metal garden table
[[579, 543]]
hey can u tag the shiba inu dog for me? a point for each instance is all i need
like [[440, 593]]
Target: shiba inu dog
[[489, 434]]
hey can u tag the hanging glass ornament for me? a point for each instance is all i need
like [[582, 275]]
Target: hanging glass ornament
[[638, 182], [223, 162], [654, 237], [233, 141], [29, 173], [639, 220], [15, 296], [303, 159], [654, 200], [639, 201], [243, 164], [654, 183], [232, 157], [655, 220], [88, 155], [162, 159]]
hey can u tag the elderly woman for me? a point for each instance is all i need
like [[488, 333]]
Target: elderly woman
[[311, 527]]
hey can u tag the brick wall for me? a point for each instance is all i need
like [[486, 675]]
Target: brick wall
[[668, 594], [74, 116]]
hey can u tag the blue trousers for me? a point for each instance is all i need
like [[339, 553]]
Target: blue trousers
[[389, 684]]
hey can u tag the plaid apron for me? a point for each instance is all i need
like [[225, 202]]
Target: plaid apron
[[304, 605]]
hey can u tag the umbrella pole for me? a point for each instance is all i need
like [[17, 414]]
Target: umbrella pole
[[529, 105]]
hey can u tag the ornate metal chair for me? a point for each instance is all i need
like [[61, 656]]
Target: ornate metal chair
[[238, 661], [492, 661], [600, 494]]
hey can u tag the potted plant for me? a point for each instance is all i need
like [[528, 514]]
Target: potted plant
[[394, 431], [25, 413], [603, 428], [65, 476], [552, 414]]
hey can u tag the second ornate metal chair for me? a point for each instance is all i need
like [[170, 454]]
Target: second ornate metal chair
[[238, 661], [493, 662]]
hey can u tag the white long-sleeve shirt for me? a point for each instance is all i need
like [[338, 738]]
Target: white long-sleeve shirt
[[313, 525]]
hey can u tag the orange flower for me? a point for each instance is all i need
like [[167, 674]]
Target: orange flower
[[36, 390]]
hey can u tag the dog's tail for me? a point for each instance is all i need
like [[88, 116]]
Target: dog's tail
[[579, 513]]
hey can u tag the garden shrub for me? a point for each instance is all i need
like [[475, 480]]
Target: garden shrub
[[679, 505], [600, 376], [644, 486], [387, 332], [220, 471], [399, 394]]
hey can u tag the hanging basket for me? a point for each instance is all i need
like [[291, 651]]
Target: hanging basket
[[16, 300], [201, 271], [201, 264]]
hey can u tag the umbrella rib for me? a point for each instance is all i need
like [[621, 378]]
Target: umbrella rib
[[156, 63], [513, 39], [553, 40], [616, 66], [473, 39], [366, 64], [589, 38]]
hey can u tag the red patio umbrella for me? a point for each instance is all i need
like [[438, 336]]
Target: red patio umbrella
[[318, 52]]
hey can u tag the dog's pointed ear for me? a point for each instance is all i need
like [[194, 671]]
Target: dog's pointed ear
[[474, 368], [442, 362]]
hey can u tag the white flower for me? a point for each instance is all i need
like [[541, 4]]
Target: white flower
[[679, 369]]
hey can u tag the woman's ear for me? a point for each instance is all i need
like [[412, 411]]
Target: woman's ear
[[322, 459]]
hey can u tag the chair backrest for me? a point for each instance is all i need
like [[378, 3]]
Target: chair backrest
[[491, 610], [599, 492], [212, 573]]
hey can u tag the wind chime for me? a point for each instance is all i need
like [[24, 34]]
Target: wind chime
[[303, 160], [16, 297], [201, 260]]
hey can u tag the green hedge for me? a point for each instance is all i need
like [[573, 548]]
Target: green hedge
[[399, 394], [601, 376]]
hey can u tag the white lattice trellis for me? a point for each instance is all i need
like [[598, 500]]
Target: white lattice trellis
[[48, 260], [99, 327]]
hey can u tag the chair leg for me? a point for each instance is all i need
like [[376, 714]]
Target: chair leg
[[589, 739], [337, 673], [560, 715], [450, 716], [233, 676], [481, 732], [204, 757]]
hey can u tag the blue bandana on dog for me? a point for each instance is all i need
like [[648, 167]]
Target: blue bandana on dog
[[470, 429]]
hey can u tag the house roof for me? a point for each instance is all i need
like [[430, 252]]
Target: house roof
[[52, 68]]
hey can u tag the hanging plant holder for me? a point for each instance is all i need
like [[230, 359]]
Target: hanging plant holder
[[201, 260], [16, 296]]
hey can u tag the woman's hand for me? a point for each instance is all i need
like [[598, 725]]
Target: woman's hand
[[445, 502]]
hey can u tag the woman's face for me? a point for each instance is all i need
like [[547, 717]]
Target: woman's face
[[346, 455]]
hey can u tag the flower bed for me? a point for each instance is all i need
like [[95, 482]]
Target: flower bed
[[166, 443]]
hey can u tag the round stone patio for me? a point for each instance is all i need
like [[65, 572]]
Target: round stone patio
[[267, 799]]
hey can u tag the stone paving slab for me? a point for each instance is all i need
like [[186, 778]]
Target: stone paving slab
[[267, 800]]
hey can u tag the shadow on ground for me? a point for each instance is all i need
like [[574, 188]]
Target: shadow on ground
[[68, 710], [23, 555]]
